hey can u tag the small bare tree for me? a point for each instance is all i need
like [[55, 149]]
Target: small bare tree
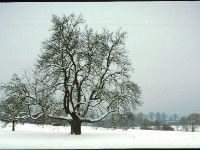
[[193, 121], [151, 116], [13, 107], [184, 124], [163, 117], [25, 97], [91, 70]]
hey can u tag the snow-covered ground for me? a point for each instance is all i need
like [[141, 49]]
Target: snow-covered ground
[[29, 136]]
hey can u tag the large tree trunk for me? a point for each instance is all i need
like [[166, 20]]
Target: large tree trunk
[[75, 125], [13, 125]]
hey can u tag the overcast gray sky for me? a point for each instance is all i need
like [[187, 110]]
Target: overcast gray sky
[[163, 43]]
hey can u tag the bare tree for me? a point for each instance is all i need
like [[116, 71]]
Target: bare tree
[[184, 124], [175, 117], [13, 107], [158, 116], [91, 69], [163, 117], [26, 97], [151, 116], [139, 119], [176, 120], [193, 121]]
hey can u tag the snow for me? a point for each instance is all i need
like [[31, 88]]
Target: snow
[[29, 136]]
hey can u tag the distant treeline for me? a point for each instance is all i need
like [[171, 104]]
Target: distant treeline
[[150, 121]]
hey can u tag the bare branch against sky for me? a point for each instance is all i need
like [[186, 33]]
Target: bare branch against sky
[[163, 43]]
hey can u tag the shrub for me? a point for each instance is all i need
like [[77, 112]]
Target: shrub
[[146, 128], [167, 128]]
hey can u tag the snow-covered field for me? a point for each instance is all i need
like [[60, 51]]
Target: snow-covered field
[[29, 136]]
